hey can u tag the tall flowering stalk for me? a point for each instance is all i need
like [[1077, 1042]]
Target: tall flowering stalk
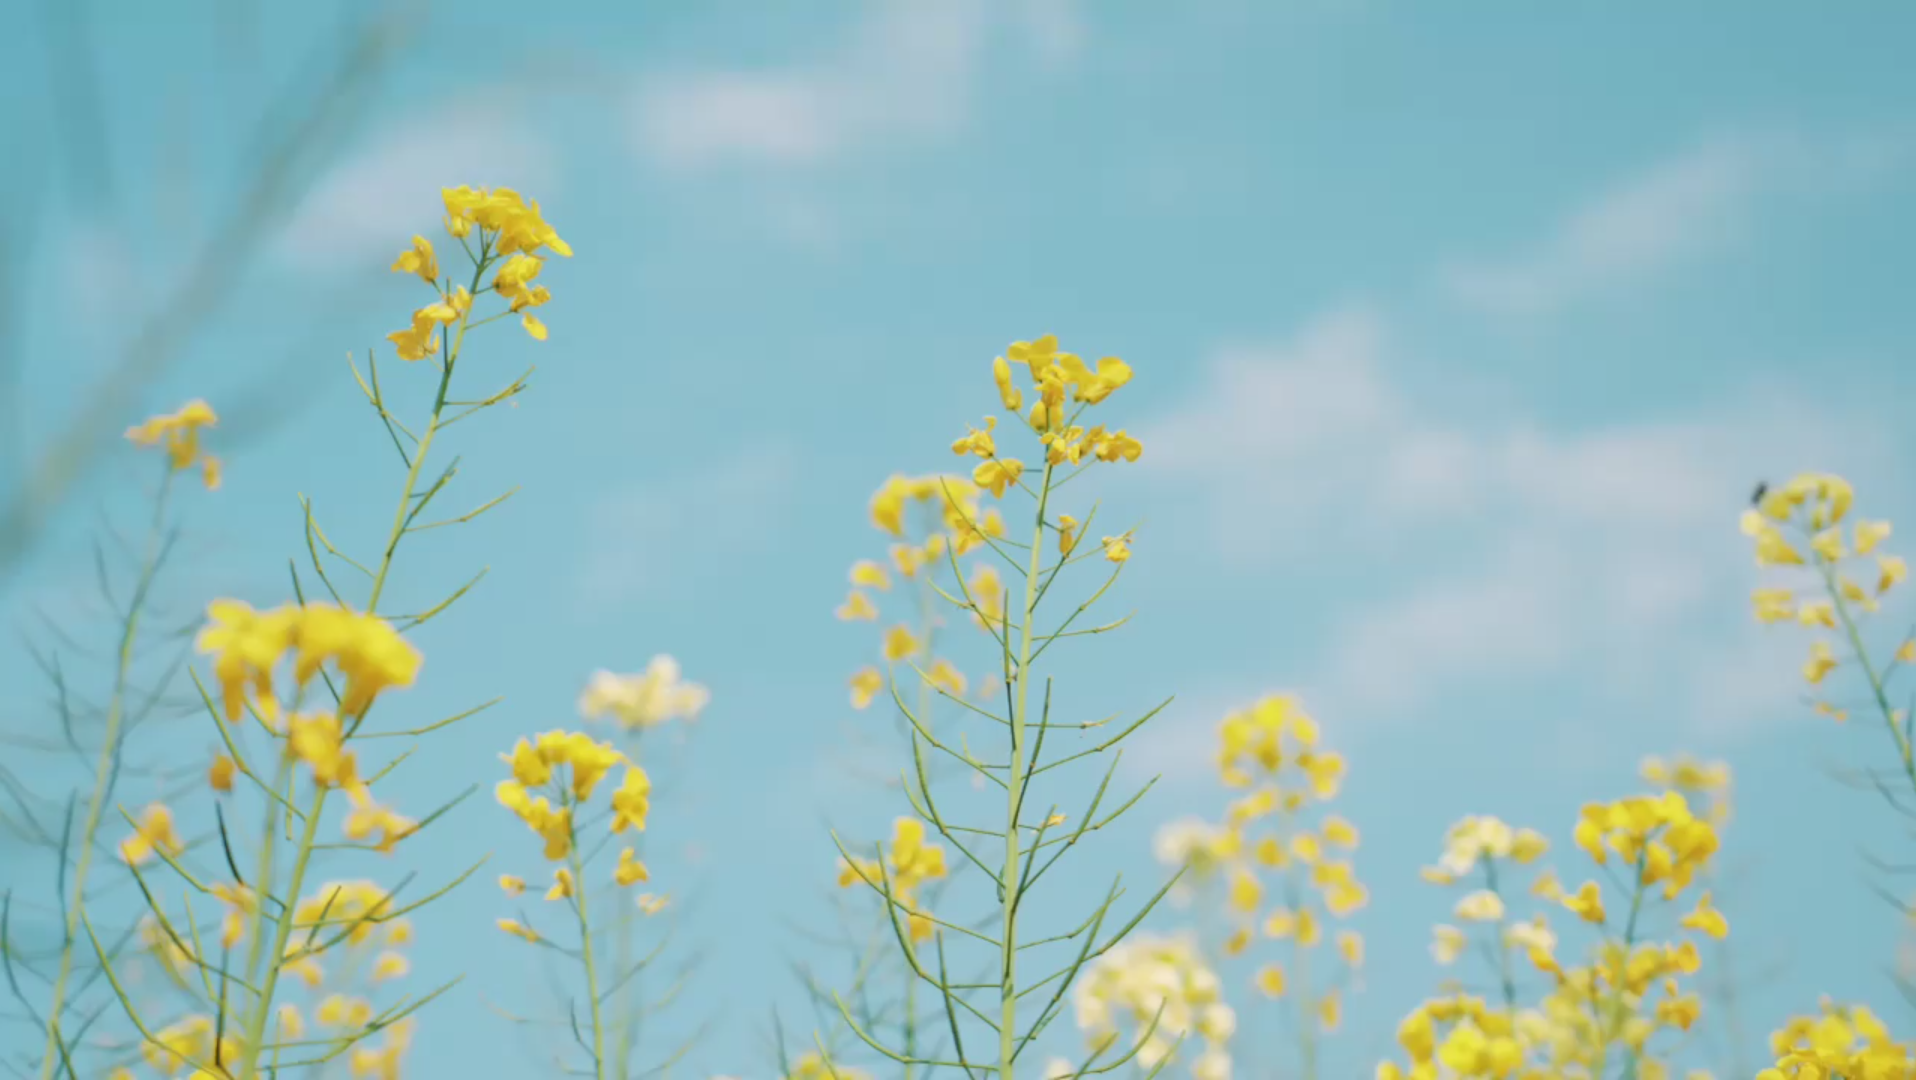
[[553, 780], [179, 437], [1605, 1019], [638, 705], [1710, 785], [1285, 861], [550, 789], [1162, 991], [927, 520], [344, 658], [1831, 576], [1063, 388]]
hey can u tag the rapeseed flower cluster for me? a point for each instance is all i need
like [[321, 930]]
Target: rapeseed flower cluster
[[1705, 782], [1057, 379], [567, 767], [907, 863], [940, 519], [1161, 990], [1285, 862], [933, 520], [1591, 1016], [178, 433], [643, 700], [812, 1065], [1843, 1042], [248, 646], [511, 234], [1832, 569]]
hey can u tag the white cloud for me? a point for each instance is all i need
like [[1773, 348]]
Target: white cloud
[[1609, 554], [1699, 202], [907, 70], [367, 207], [641, 538]]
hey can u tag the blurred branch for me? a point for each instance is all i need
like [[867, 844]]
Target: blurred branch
[[296, 133]]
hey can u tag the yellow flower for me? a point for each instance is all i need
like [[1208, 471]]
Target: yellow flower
[[219, 775], [866, 683], [154, 832], [630, 869], [246, 645], [868, 574], [367, 817], [652, 904], [562, 884], [1239, 940], [1245, 891], [978, 441], [180, 433], [1340, 832], [1330, 1010], [1822, 661], [1892, 570], [1306, 848], [318, 740], [1270, 981], [633, 801], [997, 474], [1586, 903], [1012, 397], [1869, 534], [646, 699], [1480, 906], [241, 902], [1772, 605], [417, 341], [857, 607], [518, 929], [947, 678], [1350, 945], [1067, 533], [900, 644], [390, 965], [1828, 544], [1447, 944], [512, 884], [1117, 548], [1117, 446], [1281, 923], [419, 259], [1707, 919]]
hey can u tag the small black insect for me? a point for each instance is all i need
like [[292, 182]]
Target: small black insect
[[1762, 489]]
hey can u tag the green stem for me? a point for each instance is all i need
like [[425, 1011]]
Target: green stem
[[103, 773], [927, 633], [1904, 750], [283, 923], [1615, 1021], [1301, 994], [1503, 942], [1008, 987], [585, 954]]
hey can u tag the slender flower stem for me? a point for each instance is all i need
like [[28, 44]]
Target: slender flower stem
[[1015, 785], [283, 923], [585, 954], [103, 772], [1504, 975], [1904, 751], [1302, 994], [927, 633]]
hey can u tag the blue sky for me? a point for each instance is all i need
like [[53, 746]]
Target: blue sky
[[1459, 338]]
